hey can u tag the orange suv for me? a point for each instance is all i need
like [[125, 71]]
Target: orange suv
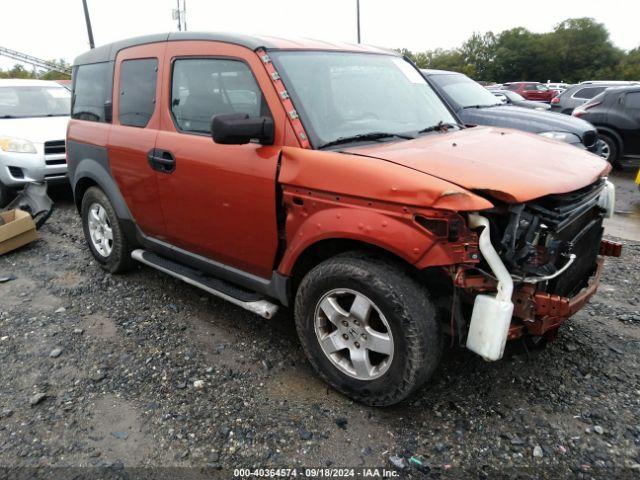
[[333, 179]]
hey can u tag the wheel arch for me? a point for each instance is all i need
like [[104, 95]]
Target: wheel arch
[[323, 249], [613, 134]]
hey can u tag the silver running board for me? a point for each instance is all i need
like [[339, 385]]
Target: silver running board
[[264, 308]]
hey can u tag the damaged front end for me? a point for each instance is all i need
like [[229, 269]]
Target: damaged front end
[[552, 249]]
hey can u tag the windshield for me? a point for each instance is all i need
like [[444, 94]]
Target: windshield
[[40, 101], [340, 95], [463, 91]]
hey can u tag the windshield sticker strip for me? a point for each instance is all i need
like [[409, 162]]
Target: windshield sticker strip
[[294, 118]]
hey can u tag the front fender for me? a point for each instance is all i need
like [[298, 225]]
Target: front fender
[[313, 217]]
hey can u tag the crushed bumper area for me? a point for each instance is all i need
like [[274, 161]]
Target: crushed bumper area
[[537, 313]]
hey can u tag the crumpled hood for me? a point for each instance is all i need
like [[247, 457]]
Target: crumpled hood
[[525, 119], [36, 130], [518, 165]]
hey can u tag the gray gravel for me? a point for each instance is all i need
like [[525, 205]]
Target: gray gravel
[[142, 370]]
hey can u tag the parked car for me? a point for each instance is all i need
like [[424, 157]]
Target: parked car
[[616, 115], [477, 106], [33, 122], [532, 91], [338, 183], [580, 94], [558, 87], [508, 97]]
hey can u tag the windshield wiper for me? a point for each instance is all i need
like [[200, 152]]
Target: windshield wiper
[[440, 126], [8, 116], [363, 137]]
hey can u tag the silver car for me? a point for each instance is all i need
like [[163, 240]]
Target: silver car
[[33, 123]]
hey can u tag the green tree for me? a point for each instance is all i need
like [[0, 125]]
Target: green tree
[[54, 75]]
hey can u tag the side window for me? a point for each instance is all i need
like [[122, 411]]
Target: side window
[[204, 87], [588, 93], [92, 92], [137, 91], [529, 87], [542, 88], [632, 100]]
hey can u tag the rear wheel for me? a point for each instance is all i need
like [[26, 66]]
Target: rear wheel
[[104, 233], [368, 328], [609, 148]]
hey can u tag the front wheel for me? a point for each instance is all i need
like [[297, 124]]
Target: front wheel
[[368, 328]]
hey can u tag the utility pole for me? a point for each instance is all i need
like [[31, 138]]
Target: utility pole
[[358, 15], [180, 14], [88, 21]]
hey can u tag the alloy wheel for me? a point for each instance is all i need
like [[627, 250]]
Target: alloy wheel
[[100, 230], [354, 334]]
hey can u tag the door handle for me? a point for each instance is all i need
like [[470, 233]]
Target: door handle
[[161, 160]]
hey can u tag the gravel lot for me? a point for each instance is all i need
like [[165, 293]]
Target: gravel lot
[[141, 370]]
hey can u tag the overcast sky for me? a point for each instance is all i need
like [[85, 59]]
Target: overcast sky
[[55, 28]]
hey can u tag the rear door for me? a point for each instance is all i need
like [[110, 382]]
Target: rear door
[[136, 119]]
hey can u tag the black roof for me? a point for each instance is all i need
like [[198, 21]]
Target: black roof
[[106, 53]]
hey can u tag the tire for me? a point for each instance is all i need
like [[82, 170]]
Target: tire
[[613, 151], [112, 255], [400, 310]]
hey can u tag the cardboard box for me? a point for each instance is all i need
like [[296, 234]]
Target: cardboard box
[[18, 230]]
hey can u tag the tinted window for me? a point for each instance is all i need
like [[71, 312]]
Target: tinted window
[[632, 100], [463, 91], [92, 92], [529, 87], [203, 88], [588, 92], [137, 91]]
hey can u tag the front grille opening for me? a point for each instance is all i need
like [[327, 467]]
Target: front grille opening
[[55, 147], [16, 172]]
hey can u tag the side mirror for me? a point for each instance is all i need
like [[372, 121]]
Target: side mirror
[[239, 128]]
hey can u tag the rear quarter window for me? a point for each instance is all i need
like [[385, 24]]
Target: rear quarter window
[[588, 93], [92, 92]]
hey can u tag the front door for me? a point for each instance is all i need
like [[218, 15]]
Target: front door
[[219, 201]]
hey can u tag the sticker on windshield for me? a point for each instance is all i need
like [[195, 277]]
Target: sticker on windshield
[[407, 69]]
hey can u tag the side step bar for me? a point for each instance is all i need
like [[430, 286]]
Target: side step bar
[[242, 298]]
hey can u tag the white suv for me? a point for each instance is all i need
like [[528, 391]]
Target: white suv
[[33, 124]]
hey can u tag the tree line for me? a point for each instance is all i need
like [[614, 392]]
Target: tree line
[[577, 49], [19, 71]]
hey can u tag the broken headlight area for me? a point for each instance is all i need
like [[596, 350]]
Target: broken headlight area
[[553, 241], [551, 247]]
